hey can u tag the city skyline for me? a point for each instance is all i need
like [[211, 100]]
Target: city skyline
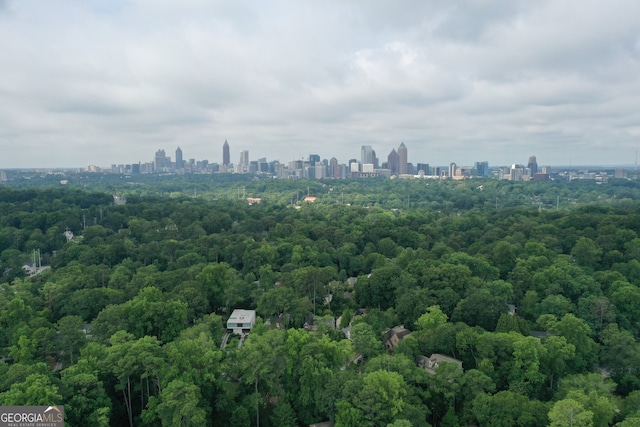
[[316, 166], [98, 82]]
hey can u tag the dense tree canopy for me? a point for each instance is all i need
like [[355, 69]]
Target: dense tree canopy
[[539, 304]]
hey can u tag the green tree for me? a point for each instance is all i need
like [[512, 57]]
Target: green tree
[[71, 336], [35, 390], [240, 417], [261, 362], [586, 253], [179, 405], [381, 397], [284, 415], [569, 413], [86, 401], [509, 409], [433, 318], [365, 341]]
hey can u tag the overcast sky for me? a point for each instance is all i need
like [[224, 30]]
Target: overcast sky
[[95, 82]]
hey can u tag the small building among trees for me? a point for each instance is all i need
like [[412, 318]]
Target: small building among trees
[[394, 335], [430, 364], [241, 321]]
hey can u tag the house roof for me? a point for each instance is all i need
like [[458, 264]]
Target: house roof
[[398, 331], [432, 362], [242, 315]]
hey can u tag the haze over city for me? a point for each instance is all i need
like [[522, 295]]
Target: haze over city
[[111, 82]]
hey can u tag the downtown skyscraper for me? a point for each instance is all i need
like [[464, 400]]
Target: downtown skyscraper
[[226, 156]]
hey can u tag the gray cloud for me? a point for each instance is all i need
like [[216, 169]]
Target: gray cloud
[[111, 82]]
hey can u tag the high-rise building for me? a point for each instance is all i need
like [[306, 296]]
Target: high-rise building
[[517, 172], [161, 161], [179, 161], [226, 157], [313, 159], [532, 166], [368, 155], [452, 170], [333, 168], [402, 159], [243, 164], [482, 168], [393, 162]]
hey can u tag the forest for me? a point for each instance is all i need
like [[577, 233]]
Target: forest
[[526, 296]]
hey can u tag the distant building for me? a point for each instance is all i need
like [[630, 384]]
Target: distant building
[[541, 177], [532, 166], [452, 170], [226, 156], [243, 164], [333, 168], [368, 156], [482, 169], [241, 321], [424, 167], [402, 159], [313, 159], [179, 161], [161, 161], [393, 162], [517, 172]]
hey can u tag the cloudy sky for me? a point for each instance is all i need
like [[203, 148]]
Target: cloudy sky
[[99, 82]]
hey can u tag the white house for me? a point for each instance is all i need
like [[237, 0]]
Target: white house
[[241, 321]]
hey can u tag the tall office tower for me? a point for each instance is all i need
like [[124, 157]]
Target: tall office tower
[[263, 166], [333, 168], [226, 157], [393, 162], [452, 170], [243, 164], [482, 168], [402, 155], [313, 159], [517, 172], [179, 161], [160, 160], [533, 166], [366, 154]]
